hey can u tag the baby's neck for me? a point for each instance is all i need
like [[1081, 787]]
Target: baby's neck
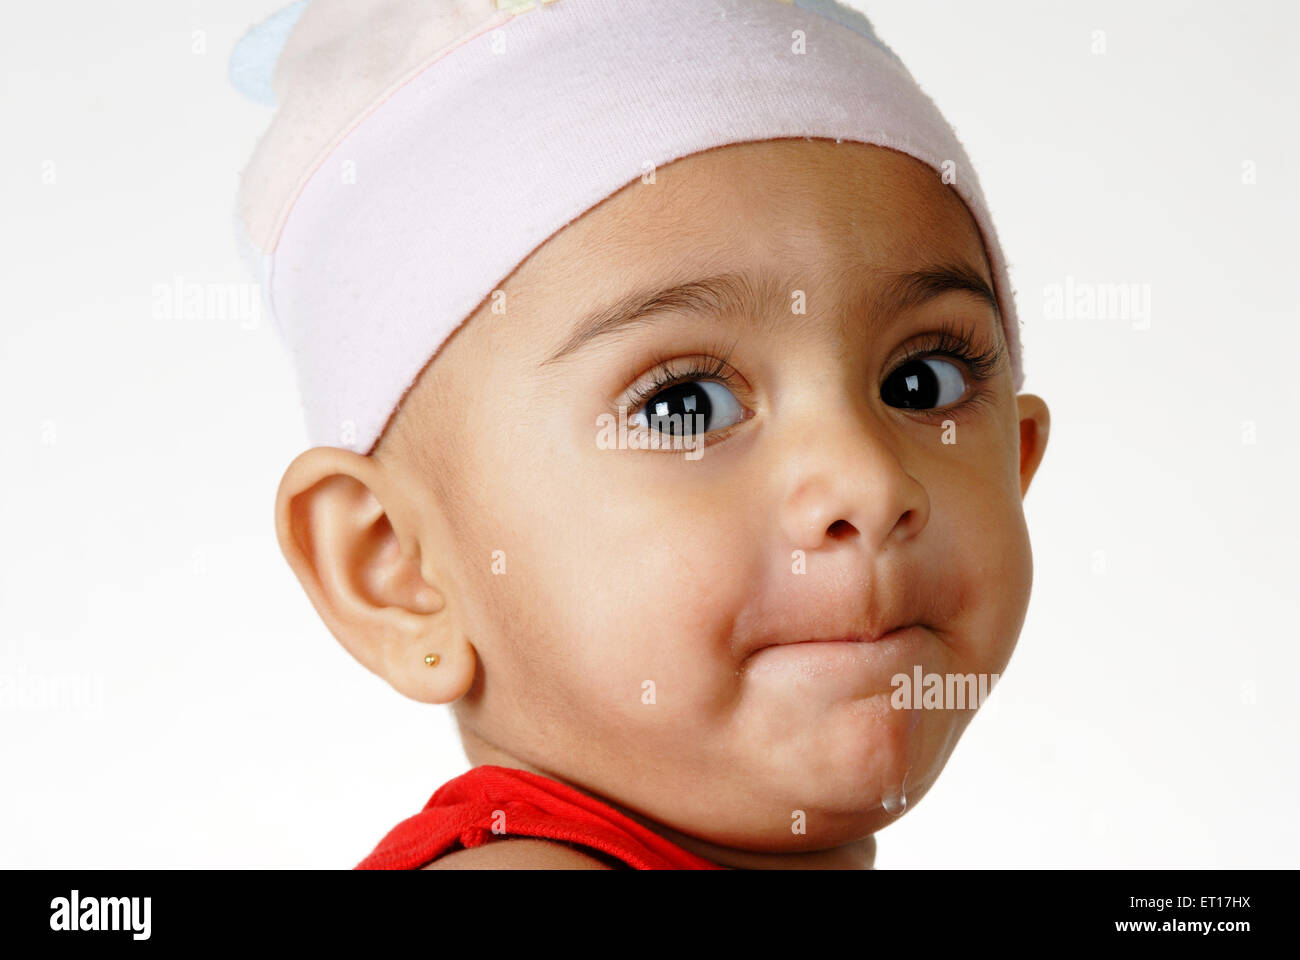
[[860, 855]]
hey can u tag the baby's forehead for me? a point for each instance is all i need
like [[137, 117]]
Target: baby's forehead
[[804, 210]]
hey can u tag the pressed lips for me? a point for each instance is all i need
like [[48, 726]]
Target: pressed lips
[[845, 666], [842, 638], [858, 638]]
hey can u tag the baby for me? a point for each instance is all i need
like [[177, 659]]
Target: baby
[[661, 469]]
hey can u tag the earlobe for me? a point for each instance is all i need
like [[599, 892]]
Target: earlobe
[[1035, 424], [334, 518], [437, 676]]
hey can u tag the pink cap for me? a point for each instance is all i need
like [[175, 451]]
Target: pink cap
[[422, 149]]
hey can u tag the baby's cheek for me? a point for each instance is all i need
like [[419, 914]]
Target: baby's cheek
[[994, 575], [650, 624]]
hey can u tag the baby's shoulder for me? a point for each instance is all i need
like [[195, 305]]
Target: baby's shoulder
[[517, 853]]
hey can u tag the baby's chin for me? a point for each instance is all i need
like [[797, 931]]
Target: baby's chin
[[845, 770]]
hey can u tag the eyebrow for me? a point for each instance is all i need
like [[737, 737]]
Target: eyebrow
[[747, 294]]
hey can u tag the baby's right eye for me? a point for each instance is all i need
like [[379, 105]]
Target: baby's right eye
[[673, 410]]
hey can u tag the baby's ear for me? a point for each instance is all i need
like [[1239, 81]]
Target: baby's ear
[[364, 577], [1035, 423]]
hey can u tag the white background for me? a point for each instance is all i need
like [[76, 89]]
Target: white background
[[1149, 715]]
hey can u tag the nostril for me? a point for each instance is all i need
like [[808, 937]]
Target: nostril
[[840, 529]]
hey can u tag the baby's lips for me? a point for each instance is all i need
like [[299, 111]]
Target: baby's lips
[[863, 630]]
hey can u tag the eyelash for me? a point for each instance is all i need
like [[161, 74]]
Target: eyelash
[[954, 343], [948, 341], [718, 370]]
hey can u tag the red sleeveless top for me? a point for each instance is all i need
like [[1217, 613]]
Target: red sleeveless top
[[464, 810]]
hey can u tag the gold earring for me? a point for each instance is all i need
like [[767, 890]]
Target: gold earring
[[431, 659]]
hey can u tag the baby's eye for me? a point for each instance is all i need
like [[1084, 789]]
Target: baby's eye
[[924, 383], [674, 409]]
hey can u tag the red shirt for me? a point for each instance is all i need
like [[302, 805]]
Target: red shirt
[[466, 809]]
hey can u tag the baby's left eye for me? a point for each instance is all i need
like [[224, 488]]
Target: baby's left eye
[[923, 384], [673, 410]]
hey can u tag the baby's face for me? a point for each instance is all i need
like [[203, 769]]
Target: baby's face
[[635, 611]]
